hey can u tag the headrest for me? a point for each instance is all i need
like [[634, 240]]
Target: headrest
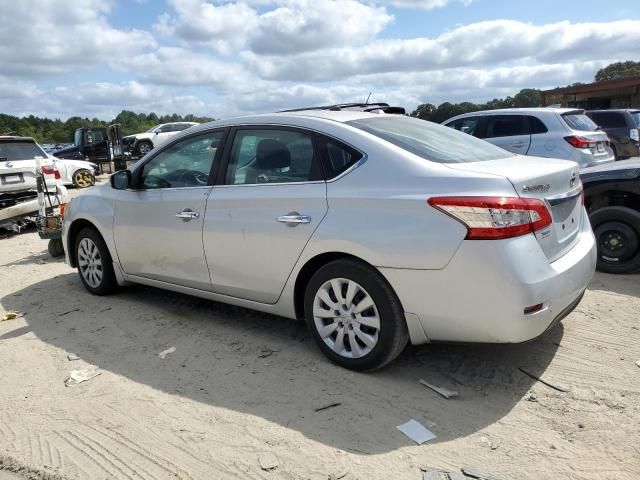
[[272, 154]]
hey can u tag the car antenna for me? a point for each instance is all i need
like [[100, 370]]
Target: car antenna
[[367, 101]]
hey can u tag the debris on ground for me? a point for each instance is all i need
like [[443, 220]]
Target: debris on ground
[[416, 431], [68, 312], [638, 363], [470, 472], [72, 356], [78, 376], [267, 352], [268, 461], [12, 316], [434, 474], [531, 398], [163, 354], [338, 476], [555, 386], [325, 407], [445, 392]]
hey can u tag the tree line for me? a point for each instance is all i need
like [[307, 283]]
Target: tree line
[[527, 97], [46, 130]]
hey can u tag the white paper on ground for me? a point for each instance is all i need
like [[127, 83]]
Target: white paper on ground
[[416, 431]]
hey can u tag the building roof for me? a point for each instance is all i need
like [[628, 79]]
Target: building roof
[[596, 86]]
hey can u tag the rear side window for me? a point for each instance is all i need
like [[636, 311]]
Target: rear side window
[[608, 119], [337, 156], [636, 117], [428, 140], [579, 121], [467, 125], [15, 151], [507, 126], [536, 125]]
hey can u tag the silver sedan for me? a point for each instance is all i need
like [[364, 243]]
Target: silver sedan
[[376, 229]]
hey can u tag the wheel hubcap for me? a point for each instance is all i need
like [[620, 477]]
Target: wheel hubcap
[[346, 317], [90, 262], [144, 148]]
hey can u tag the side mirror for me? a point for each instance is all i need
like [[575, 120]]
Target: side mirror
[[121, 180], [157, 133]]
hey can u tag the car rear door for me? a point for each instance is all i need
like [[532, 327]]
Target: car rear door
[[271, 198], [511, 132], [158, 225]]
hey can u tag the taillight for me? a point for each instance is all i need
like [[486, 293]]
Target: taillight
[[580, 142], [63, 207], [495, 218], [52, 171]]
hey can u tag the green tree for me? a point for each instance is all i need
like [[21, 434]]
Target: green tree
[[618, 70]]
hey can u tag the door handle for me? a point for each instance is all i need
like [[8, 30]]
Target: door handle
[[293, 220], [187, 214], [519, 145]]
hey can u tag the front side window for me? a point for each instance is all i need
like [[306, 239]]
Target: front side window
[[272, 156], [428, 140], [16, 151], [507, 126], [187, 163], [467, 125]]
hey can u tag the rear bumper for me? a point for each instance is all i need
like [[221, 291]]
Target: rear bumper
[[481, 295], [30, 207]]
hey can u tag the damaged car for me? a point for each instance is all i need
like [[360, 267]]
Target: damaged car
[[18, 185]]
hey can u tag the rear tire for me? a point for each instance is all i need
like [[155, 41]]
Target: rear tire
[[617, 232], [83, 178], [94, 263], [355, 316]]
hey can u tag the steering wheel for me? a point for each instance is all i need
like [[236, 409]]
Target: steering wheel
[[193, 178]]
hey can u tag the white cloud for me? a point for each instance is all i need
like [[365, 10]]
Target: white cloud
[[40, 36], [197, 21], [308, 25], [478, 44]]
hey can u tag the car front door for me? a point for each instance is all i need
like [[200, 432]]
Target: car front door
[[258, 221], [511, 132], [158, 223]]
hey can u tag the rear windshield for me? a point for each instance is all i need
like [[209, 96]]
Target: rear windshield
[[429, 140], [14, 151], [579, 121], [636, 117]]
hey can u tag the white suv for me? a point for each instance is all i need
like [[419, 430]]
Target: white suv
[[142, 143], [564, 133]]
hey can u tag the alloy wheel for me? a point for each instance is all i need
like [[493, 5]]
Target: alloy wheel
[[90, 262], [83, 179], [144, 148], [346, 318]]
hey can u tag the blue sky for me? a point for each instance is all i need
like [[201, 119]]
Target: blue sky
[[226, 57]]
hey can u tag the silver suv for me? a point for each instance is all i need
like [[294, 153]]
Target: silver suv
[[564, 133]]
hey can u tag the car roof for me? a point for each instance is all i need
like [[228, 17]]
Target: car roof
[[292, 118], [531, 110], [613, 110], [15, 138]]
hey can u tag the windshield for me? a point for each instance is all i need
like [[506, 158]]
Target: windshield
[[579, 121], [429, 140], [15, 151], [152, 129]]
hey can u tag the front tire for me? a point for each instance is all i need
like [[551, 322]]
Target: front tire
[[617, 232], [144, 147], [355, 316], [94, 263], [83, 178]]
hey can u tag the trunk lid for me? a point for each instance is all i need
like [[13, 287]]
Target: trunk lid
[[556, 182], [20, 175]]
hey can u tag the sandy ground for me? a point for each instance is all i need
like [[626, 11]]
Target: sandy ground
[[218, 404]]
